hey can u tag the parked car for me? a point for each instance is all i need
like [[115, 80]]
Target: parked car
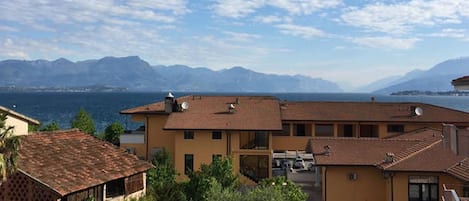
[[299, 163]]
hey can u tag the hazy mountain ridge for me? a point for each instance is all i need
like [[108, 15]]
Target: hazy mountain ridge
[[137, 75], [438, 78]]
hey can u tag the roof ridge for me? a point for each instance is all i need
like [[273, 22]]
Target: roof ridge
[[409, 153], [58, 131], [365, 139]]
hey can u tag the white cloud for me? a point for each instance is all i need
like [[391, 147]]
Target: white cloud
[[452, 33], [386, 42], [241, 37], [242, 8], [300, 31], [402, 17], [268, 19]]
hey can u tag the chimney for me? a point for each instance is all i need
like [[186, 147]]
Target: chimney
[[456, 139], [389, 158], [168, 103]]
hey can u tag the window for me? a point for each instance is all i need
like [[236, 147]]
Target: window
[[346, 130], [300, 129], [423, 188], [188, 163], [188, 135], [115, 188], [216, 157], [324, 130], [216, 135], [255, 167], [369, 131], [394, 128], [254, 140]]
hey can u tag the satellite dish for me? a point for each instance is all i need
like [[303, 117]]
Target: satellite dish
[[185, 105], [231, 106], [418, 111], [170, 95]]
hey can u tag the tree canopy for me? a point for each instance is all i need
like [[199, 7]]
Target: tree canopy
[[53, 126], [9, 146], [113, 132], [84, 122]]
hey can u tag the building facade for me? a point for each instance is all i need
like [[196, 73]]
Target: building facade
[[253, 129], [19, 122], [73, 166]]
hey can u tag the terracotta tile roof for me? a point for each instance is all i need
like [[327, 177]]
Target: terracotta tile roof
[[369, 111], [211, 112], [357, 151], [18, 115], [460, 169], [434, 158], [69, 161], [153, 108]]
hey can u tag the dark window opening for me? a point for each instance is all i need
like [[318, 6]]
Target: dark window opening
[[115, 188], [369, 131], [300, 129], [423, 188], [216, 157], [395, 128], [324, 130], [346, 130], [188, 163], [188, 135], [216, 135], [254, 140], [254, 167]]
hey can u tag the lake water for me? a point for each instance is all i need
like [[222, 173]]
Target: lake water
[[105, 107]]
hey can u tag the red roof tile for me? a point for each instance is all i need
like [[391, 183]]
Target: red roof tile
[[357, 151], [211, 112], [369, 111], [69, 161], [460, 169]]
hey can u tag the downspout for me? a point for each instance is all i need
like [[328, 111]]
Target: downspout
[[392, 187], [325, 183], [228, 143]]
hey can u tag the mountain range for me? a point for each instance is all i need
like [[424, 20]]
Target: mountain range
[[137, 75], [437, 78]]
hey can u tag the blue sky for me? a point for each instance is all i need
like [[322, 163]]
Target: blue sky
[[349, 42]]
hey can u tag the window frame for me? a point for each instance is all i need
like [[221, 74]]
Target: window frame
[[189, 135], [217, 135], [188, 163]]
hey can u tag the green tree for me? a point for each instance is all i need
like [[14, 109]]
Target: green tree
[[287, 189], [9, 146], [84, 122], [113, 132], [53, 126], [161, 179], [200, 183]]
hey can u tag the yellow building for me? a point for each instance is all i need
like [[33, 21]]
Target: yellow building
[[251, 129], [19, 122], [416, 166]]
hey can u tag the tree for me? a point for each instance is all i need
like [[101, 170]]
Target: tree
[[162, 179], [113, 132], [220, 170], [84, 122], [50, 127], [9, 146], [287, 189]]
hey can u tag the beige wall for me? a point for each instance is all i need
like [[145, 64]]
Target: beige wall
[[202, 147], [20, 126], [369, 185]]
